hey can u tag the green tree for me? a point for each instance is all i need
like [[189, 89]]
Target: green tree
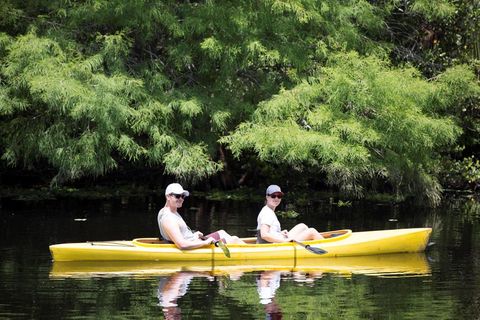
[[434, 36], [358, 121], [96, 86]]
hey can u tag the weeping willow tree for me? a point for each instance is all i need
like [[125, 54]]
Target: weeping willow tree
[[359, 121], [87, 87], [81, 120]]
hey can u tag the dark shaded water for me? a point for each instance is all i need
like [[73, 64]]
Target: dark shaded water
[[442, 284]]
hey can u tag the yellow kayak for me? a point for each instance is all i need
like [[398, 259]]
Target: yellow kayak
[[400, 264], [339, 243]]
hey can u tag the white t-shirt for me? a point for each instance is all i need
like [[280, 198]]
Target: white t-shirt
[[267, 216]]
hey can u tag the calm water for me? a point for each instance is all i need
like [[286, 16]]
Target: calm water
[[444, 283]]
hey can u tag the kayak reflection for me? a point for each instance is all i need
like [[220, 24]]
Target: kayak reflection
[[176, 277], [381, 265]]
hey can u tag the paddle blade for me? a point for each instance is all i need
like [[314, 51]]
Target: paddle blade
[[224, 248], [315, 250]]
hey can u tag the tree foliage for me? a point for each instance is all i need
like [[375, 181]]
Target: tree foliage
[[358, 120], [89, 87]]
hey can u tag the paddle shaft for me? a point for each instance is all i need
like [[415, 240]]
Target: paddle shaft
[[310, 248], [110, 243]]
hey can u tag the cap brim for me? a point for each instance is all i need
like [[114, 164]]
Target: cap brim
[[276, 192]]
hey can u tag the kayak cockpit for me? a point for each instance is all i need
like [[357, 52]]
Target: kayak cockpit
[[328, 236]]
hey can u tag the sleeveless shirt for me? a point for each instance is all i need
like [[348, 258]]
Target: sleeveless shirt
[[184, 229]]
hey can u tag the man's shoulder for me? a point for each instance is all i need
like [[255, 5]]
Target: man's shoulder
[[166, 215]]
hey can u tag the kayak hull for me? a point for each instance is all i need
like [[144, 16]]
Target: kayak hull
[[341, 243]]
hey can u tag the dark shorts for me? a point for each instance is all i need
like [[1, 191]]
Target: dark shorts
[[260, 239]]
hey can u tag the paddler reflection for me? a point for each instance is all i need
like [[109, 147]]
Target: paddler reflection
[[267, 284], [173, 287]]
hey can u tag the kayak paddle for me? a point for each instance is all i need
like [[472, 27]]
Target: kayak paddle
[[220, 244], [223, 246], [310, 248]]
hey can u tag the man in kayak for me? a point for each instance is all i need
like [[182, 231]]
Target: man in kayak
[[268, 226], [174, 229]]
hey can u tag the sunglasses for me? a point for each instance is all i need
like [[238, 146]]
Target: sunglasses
[[178, 196], [273, 196]]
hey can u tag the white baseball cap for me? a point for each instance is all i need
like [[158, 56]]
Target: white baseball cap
[[273, 189], [176, 188]]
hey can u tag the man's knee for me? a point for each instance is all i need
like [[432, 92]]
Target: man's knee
[[302, 226]]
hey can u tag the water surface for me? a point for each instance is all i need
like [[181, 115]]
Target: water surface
[[444, 283]]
